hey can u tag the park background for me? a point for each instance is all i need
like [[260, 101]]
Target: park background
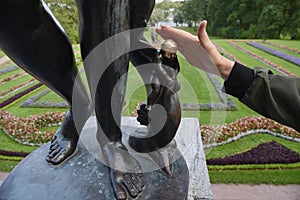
[[240, 145]]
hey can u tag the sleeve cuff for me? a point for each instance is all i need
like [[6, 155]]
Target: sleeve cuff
[[239, 80]]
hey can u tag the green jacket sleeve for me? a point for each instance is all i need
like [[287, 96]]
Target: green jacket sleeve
[[274, 96]]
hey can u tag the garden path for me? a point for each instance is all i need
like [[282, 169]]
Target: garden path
[[243, 191], [255, 192]]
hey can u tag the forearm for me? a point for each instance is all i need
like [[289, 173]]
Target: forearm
[[274, 96]]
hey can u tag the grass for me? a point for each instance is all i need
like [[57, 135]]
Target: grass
[[9, 145], [295, 44], [282, 63], [281, 49], [17, 91], [196, 88], [25, 112], [7, 165], [2, 76], [247, 143], [15, 82], [51, 97], [1, 54], [272, 177], [277, 174], [243, 57], [254, 167]]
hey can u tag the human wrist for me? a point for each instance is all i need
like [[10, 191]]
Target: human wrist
[[225, 67]]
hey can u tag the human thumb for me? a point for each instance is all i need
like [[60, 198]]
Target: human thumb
[[202, 34]]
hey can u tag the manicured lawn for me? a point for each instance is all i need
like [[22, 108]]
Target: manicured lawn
[[24, 112], [295, 44], [243, 57], [272, 177], [4, 75], [1, 54], [277, 174], [195, 88], [281, 49], [51, 97], [9, 145], [7, 165], [284, 64]]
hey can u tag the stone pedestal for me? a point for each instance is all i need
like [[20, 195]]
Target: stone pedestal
[[85, 177]]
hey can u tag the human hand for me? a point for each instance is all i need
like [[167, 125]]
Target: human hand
[[223, 64], [199, 51]]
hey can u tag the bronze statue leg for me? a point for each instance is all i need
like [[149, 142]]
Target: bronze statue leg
[[145, 54], [100, 20], [31, 38]]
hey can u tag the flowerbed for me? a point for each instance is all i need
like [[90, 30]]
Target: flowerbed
[[13, 153], [265, 153], [283, 47], [223, 52], [222, 134], [12, 77], [16, 88], [269, 63], [8, 69], [274, 52], [25, 130], [19, 95]]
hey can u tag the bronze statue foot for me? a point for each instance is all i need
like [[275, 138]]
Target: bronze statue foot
[[124, 183], [64, 143], [61, 149], [164, 158], [125, 171]]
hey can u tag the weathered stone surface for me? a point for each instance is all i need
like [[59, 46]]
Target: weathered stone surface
[[85, 177]]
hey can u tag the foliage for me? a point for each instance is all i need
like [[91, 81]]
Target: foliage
[[157, 16], [271, 22], [178, 17], [167, 4], [254, 19], [194, 10], [66, 13]]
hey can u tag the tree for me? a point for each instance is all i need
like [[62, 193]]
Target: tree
[[178, 17], [66, 13], [194, 10], [292, 19], [157, 16], [271, 22], [253, 19]]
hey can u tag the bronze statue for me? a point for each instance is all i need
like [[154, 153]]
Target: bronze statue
[[164, 85], [31, 37]]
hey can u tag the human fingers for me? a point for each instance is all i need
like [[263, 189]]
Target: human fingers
[[207, 43]]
